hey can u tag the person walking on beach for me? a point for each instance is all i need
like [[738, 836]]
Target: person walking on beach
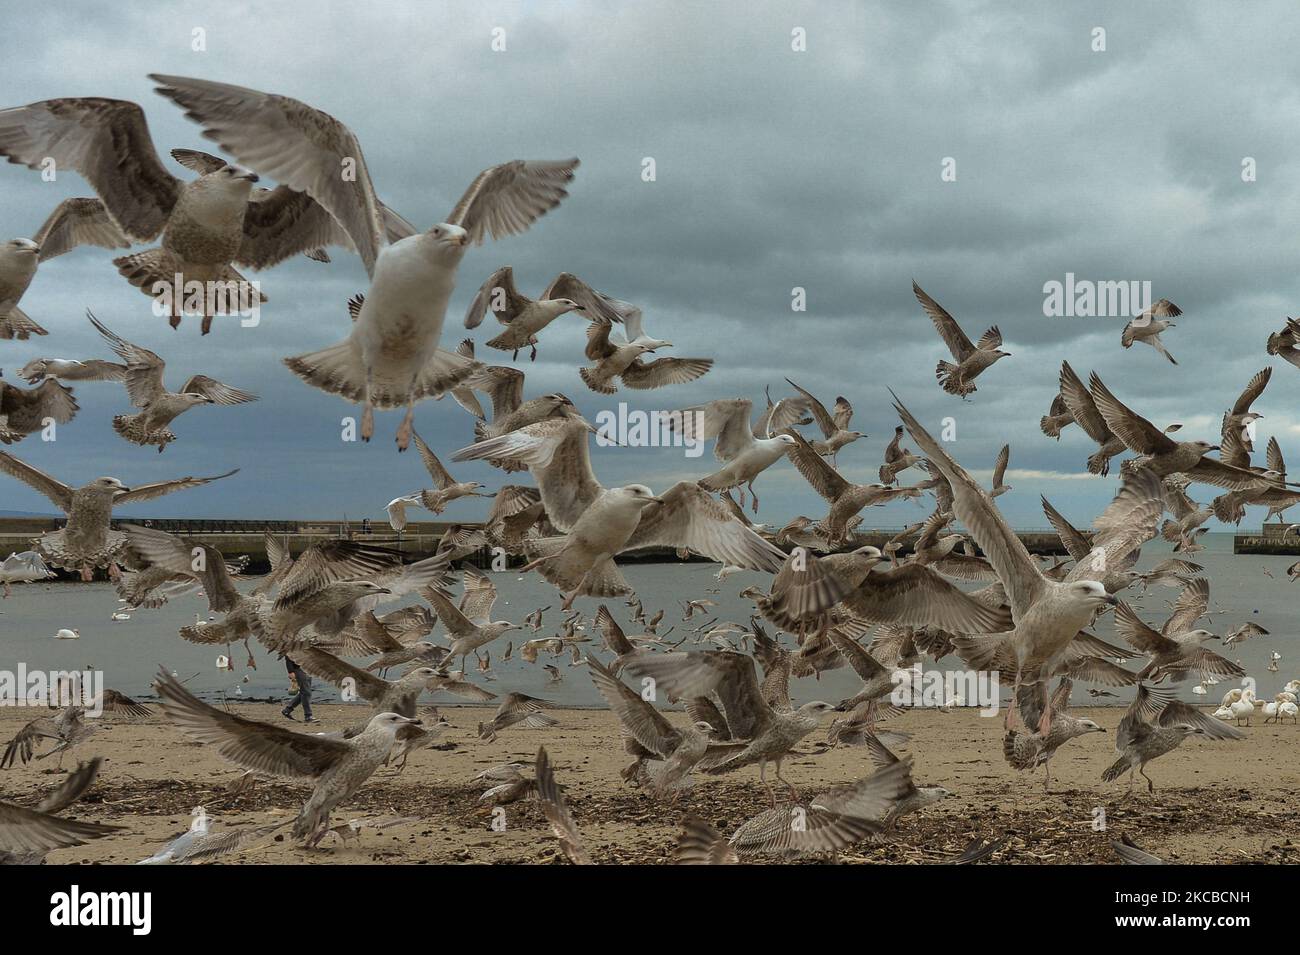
[[301, 682]]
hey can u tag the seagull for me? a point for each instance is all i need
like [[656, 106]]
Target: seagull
[[71, 369], [1048, 614], [834, 425], [846, 499], [1058, 417], [447, 488], [336, 767], [1283, 343], [623, 359], [73, 222], [1148, 326], [523, 317], [23, 568], [25, 411], [517, 708], [744, 456], [1000, 471], [1239, 418], [1083, 410], [551, 801], [391, 357], [1156, 724], [598, 523], [147, 391], [1162, 454], [207, 224], [1029, 751], [897, 458], [1176, 652], [27, 835], [1243, 633], [468, 626], [86, 541], [757, 733], [199, 844], [510, 412], [971, 360]]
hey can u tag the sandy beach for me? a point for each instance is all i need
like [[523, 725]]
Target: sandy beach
[[1215, 802]]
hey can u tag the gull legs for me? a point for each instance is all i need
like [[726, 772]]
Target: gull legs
[[753, 494]]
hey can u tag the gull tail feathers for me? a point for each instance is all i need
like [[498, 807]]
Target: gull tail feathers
[[337, 370], [134, 428]]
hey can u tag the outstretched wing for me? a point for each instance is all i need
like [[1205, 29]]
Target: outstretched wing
[[506, 199]]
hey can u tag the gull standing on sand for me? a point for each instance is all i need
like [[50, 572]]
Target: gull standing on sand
[[523, 317], [744, 456], [598, 523], [446, 490], [1148, 326], [1030, 750], [834, 425], [1048, 614], [147, 391], [1156, 724], [391, 358], [971, 359], [336, 767], [86, 541]]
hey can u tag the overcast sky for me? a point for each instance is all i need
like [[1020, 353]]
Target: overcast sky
[[776, 169]]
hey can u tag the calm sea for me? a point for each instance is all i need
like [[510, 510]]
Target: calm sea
[[129, 652]]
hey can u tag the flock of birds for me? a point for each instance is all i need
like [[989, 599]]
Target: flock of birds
[[1029, 621]]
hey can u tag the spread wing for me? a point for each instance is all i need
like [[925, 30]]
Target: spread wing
[[105, 140], [825, 420], [219, 392], [639, 718], [726, 419], [283, 222], [297, 145], [685, 675], [594, 303], [58, 493], [75, 222], [147, 492], [441, 478], [261, 747], [916, 595], [947, 326], [551, 801], [824, 479], [1254, 388], [1137, 433], [200, 561], [332, 561], [664, 371], [1078, 399], [503, 279], [144, 369], [506, 199], [691, 518]]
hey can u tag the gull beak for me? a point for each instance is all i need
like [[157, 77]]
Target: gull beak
[[36, 249], [1112, 600], [658, 500], [251, 177], [1214, 447], [462, 239], [413, 722]]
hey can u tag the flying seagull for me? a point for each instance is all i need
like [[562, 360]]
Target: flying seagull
[[523, 317], [744, 456], [623, 360], [24, 411], [147, 391], [391, 358], [971, 359], [86, 541], [1148, 326], [447, 488], [833, 424]]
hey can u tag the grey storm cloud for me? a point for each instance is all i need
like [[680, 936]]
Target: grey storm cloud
[[775, 169]]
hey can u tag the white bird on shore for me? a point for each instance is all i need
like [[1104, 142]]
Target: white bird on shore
[[391, 358]]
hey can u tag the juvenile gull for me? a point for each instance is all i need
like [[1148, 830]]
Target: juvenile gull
[[1024, 750], [27, 835], [517, 708], [1058, 417], [147, 391], [1240, 418], [206, 224], [743, 455], [897, 458], [1283, 343], [1047, 613], [599, 523], [556, 812], [624, 360], [1157, 724], [1176, 650], [1148, 326], [86, 540], [18, 261], [1083, 411], [72, 369], [523, 317], [337, 767], [25, 411], [391, 358], [971, 359], [436, 499], [468, 627], [834, 425]]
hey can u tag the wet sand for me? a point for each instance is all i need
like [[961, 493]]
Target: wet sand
[[1214, 802]]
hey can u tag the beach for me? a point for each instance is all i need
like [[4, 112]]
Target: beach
[[1215, 802]]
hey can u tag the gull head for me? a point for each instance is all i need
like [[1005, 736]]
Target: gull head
[[1204, 446], [1091, 593], [422, 674], [21, 248], [640, 494], [873, 553], [194, 398], [230, 179], [817, 709], [392, 722], [1088, 726], [567, 305], [368, 588], [704, 726], [644, 345], [110, 484], [448, 237], [787, 440], [1199, 636]]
